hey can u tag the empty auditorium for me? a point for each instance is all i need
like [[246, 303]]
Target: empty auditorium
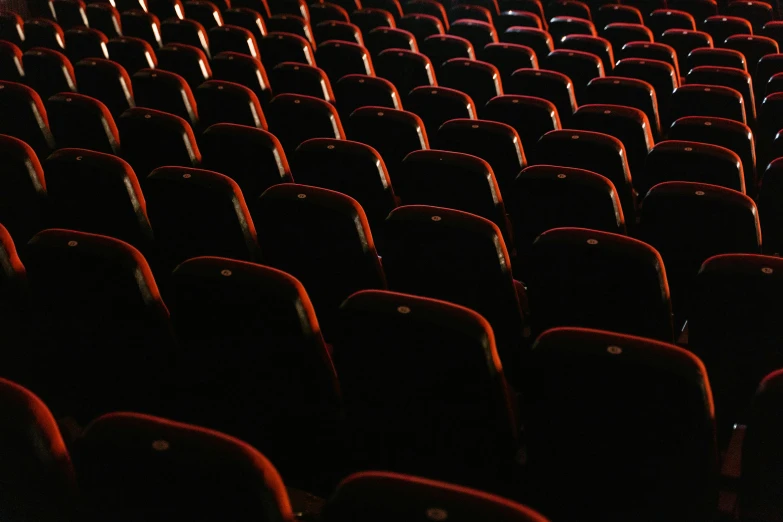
[[391, 261]]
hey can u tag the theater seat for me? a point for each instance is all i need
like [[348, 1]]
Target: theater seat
[[629, 125], [496, 143], [48, 72], [675, 160], [11, 68], [38, 477], [244, 70], [228, 102], [437, 105], [133, 54], [691, 222], [592, 279], [25, 117], [187, 61], [536, 38], [82, 121], [708, 100], [276, 360], [461, 258], [441, 48], [44, 33], [405, 69], [187, 32], [590, 151], [596, 45], [166, 92], [349, 167], [104, 18], [479, 80], [730, 134], [84, 43], [139, 466], [393, 133], [297, 78], [12, 28], [252, 157], [276, 48], [140, 24], [440, 351], [295, 118], [368, 495], [322, 238], [761, 454], [107, 82], [338, 59], [736, 339], [22, 204], [15, 308], [555, 87], [247, 18], [628, 92], [354, 91], [716, 57], [95, 291], [452, 180], [197, 212], [544, 197], [595, 407], [152, 139], [98, 193]]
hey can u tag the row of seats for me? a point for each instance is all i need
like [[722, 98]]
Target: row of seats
[[659, 462], [663, 229], [96, 292], [324, 237], [128, 466], [507, 57], [688, 99], [169, 95], [207, 108], [492, 208], [430, 177]]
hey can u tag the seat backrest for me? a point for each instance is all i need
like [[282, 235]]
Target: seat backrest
[[592, 279], [197, 212], [544, 197], [691, 222], [458, 257], [25, 117], [152, 139], [128, 462], [443, 352], [761, 451], [731, 327], [252, 157], [367, 495], [452, 180], [96, 291], [349, 167], [295, 118], [82, 121], [277, 356], [106, 81], [592, 151], [322, 238], [97, 193], [675, 160], [601, 390], [38, 480]]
